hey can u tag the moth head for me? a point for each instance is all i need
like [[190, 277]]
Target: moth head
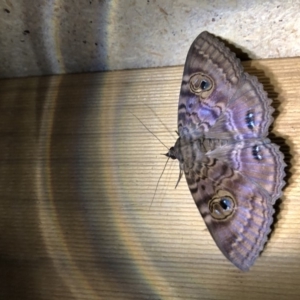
[[201, 85], [171, 153], [174, 152], [222, 205]]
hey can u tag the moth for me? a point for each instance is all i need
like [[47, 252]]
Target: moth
[[234, 172]]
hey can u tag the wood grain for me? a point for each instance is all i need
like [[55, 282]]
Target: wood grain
[[78, 174]]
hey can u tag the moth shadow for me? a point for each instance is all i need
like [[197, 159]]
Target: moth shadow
[[284, 148], [240, 54]]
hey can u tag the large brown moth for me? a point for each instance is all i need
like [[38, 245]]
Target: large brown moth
[[234, 173]]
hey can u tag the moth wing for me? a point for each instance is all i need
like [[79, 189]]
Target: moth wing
[[248, 114], [260, 161], [240, 232], [209, 59]]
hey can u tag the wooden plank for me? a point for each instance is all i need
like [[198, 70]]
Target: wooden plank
[[78, 175]]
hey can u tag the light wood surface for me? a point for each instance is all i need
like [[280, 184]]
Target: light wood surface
[[78, 174]]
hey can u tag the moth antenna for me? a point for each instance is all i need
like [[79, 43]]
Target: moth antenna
[[149, 130], [180, 175], [154, 113], [159, 181]]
